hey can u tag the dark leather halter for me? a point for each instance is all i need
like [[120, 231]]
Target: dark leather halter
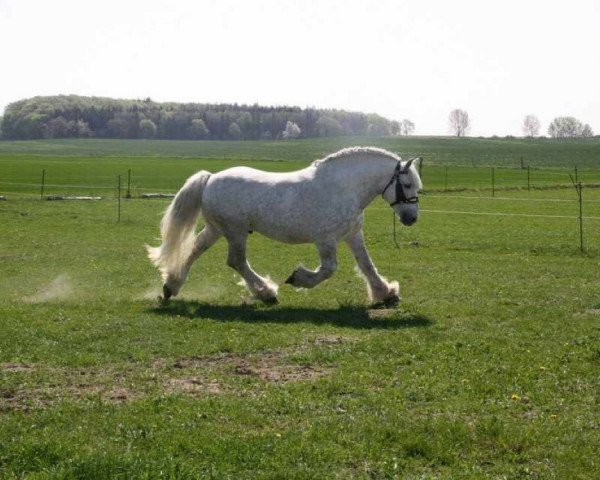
[[400, 194]]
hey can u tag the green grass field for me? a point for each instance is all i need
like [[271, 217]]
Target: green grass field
[[489, 367], [505, 152]]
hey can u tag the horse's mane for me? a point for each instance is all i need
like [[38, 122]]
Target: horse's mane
[[353, 152], [366, 152]]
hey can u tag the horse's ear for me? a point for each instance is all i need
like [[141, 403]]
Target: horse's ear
[[408, 164], [418, 163]]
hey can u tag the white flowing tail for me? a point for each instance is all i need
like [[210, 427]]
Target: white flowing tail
[[178, 227]]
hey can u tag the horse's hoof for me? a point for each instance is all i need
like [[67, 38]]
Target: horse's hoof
[[271, 301], [164, 300], [290, 279], [391, 301]]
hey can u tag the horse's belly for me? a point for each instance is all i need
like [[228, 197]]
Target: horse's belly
[[284, 233], [304, 226]]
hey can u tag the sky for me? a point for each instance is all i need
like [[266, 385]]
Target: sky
[[415, 59]]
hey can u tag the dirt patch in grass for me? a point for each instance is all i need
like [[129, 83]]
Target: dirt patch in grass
[[25, 399], [268, 369], [196, 376], [193, 386], [17, 367], [331, 340], [272, 366]]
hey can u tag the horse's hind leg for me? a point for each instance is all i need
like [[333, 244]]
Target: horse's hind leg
[[203, 241], [378, 288], [305, 278], [260, 287]]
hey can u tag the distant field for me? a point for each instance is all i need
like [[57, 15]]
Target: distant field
[[489, 367], [92, 166], [437, 150]]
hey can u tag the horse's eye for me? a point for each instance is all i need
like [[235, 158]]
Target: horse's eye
[[407, 185]]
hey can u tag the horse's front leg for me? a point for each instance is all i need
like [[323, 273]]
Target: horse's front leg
[[303, 277], [261, 288], [379, 289]]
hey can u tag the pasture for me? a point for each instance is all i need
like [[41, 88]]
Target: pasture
[[488, 368]]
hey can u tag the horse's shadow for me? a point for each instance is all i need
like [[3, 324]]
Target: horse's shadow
[[359, 317]]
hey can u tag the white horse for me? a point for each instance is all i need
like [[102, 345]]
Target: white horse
[[321, 204]]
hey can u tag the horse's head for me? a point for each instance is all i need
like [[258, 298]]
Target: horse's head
[[403, 197]]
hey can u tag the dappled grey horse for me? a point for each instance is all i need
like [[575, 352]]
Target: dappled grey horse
[[321, 204]]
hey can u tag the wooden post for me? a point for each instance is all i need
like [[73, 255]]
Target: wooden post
[[446, 178], [129, 183], [43, 183], [119, 199], [578, 189], [580, 215], [528, 179], [493, 181]]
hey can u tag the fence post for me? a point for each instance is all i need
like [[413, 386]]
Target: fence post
[[528, 178], [119, 199], [129, 183], [493, 181], [580, 216], [578, 188], [43, 182], [446, 178]]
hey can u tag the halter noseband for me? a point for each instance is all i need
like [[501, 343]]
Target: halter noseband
[[400, 195]]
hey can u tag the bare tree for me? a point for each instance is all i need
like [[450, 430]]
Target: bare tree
[[531, 126], [407, 127], [459, 122], [587, 131]]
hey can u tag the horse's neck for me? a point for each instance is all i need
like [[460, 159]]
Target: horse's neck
[[365, 177]]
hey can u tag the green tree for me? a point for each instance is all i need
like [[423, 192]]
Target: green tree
[[147, 128], [378, 126], [198, 129], [235, 132], [568, 127], [56, 128], [328, 127], [246, 124]]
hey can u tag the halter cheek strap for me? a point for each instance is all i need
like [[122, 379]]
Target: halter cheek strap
[[400, 195]]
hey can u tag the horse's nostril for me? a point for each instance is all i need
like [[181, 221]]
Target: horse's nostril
[[408, 221]]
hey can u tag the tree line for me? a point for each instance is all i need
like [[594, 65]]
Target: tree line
[[561, 127], [66, 116]]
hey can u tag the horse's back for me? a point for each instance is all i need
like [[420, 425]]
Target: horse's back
[[254, 175], [275, 204]]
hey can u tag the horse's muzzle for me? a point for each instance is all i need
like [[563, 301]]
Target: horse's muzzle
[[408, 219]]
